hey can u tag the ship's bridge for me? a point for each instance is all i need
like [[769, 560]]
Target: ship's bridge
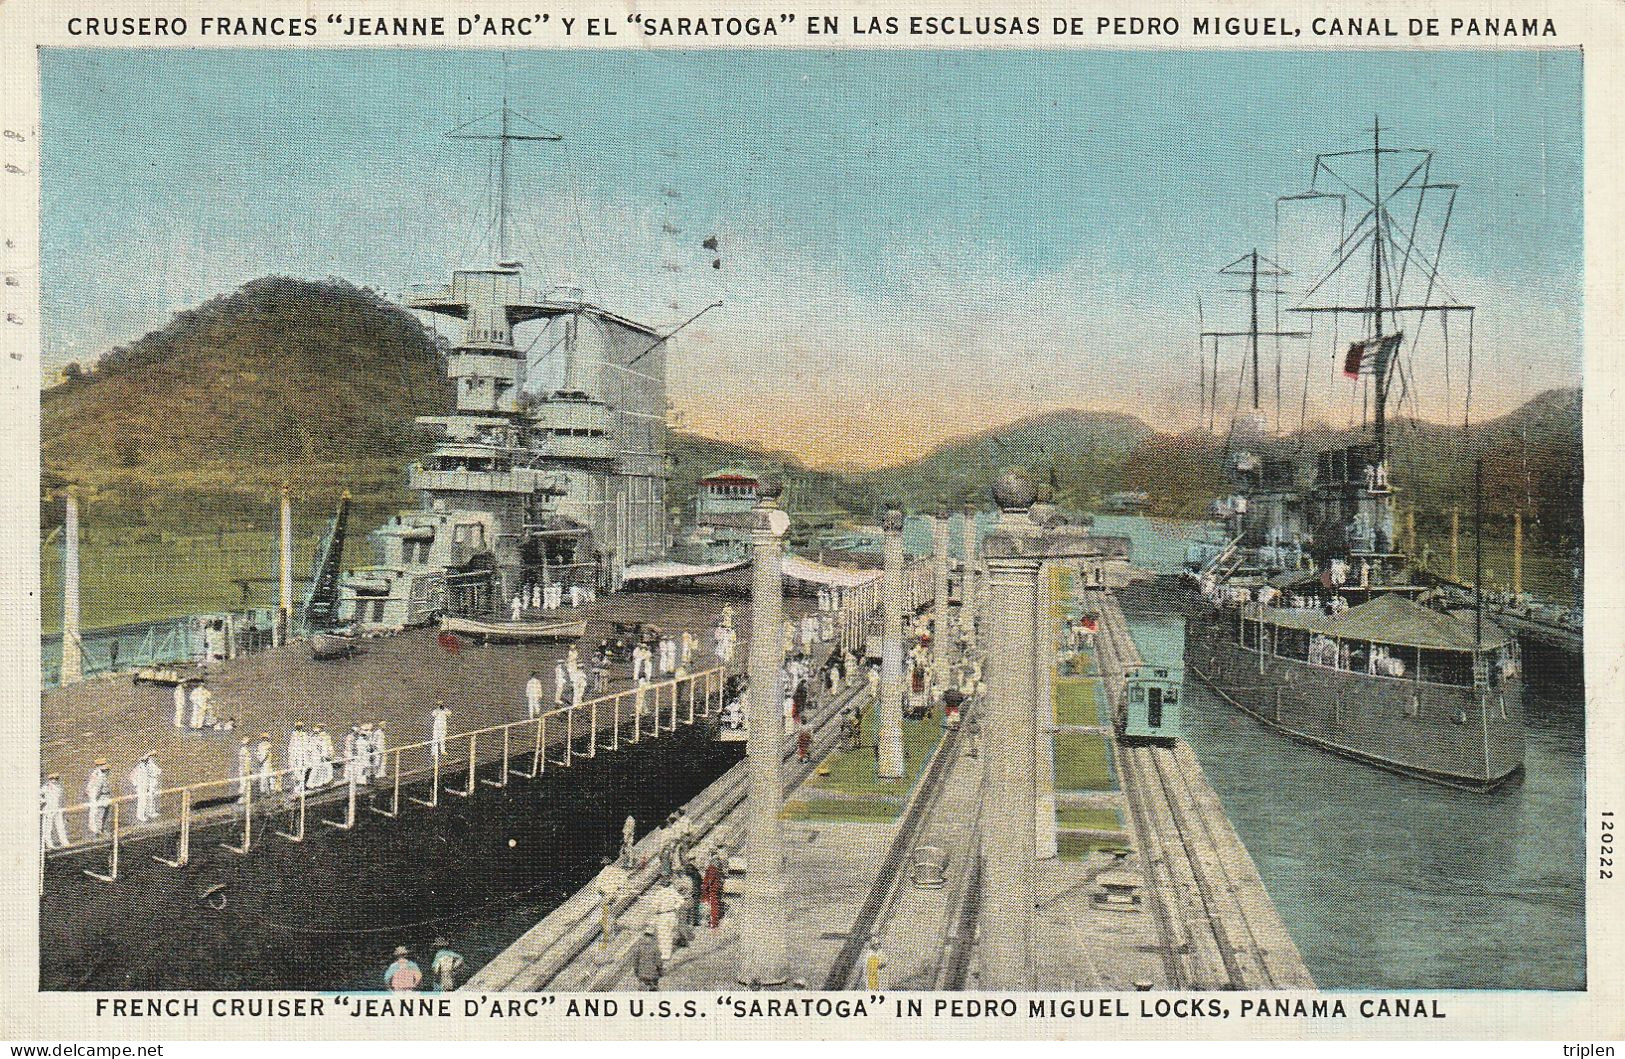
[[481, 469], [495, 300]]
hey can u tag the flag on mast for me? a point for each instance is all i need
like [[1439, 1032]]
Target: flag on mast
[[1363, 355]]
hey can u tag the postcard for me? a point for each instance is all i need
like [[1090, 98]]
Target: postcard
[[703, 521]]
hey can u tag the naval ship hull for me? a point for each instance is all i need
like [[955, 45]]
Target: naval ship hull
[[1394, 723]]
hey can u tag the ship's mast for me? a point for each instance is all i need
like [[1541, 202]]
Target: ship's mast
[[1388, 294], [1252, 331], [504, 137], [1252, 265], [1380, 368]]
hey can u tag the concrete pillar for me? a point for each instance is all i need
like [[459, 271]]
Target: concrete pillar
[[967, 595], [1046, 841], [1009, 744], [1455, 544], [73, 652], [1517, 552], [889, 721], [764, 949], [284, 614], [941, 640]]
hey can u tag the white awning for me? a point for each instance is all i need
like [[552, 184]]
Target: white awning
[[800, 569], [674, 571]]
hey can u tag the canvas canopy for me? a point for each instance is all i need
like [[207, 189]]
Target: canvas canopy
[[800, 569], [669, 571], [1391, 619], [795, 568]]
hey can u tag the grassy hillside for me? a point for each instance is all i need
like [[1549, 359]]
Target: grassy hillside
[[1079, 455], [196, 425]]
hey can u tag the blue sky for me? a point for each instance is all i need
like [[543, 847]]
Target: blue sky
[[963, 237]]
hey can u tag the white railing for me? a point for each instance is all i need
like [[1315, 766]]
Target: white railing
[[603, 723]]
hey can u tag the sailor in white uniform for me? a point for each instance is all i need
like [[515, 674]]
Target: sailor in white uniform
[[144, 779], [263, 765], [98, 794], [378, 746], [298, 757], [533, 694], [437, 730], [53, 824], [200, 704]]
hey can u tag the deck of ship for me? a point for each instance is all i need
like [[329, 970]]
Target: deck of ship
[[397, 679]]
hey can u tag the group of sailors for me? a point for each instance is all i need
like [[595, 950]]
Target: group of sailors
[[549, 596], [194, 708], [314, 762], [1339, 654], [1270, 596], [145, 780]]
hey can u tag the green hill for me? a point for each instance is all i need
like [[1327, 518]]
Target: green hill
[[197, 425]]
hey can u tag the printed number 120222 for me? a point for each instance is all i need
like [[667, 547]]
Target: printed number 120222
[[1605, 848]]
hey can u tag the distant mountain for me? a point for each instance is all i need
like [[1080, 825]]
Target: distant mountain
[[1078, 455], [1533, 463], [198, 423]]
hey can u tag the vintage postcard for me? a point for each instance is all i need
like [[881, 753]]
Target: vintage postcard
[[708, 521]]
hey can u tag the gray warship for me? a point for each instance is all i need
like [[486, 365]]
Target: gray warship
[[1311, 618], [550, 469]]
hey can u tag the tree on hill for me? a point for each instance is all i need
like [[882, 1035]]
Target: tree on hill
[[312, 382]]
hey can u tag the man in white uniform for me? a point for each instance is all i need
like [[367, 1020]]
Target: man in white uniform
[[53, 825], [298, 756], [667, 903], [98, 794], [263, 765], [200, 704], [437, 730], [180, 704], [533, 695]]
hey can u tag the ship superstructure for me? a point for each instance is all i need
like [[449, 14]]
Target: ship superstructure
[[550, 467]]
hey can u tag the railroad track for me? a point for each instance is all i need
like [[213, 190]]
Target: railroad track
[[875, 914], [1223, 950], [553, 958], [1178, 952]]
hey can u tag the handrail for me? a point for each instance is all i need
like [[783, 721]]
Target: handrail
[[243, 796], [711, 682]]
